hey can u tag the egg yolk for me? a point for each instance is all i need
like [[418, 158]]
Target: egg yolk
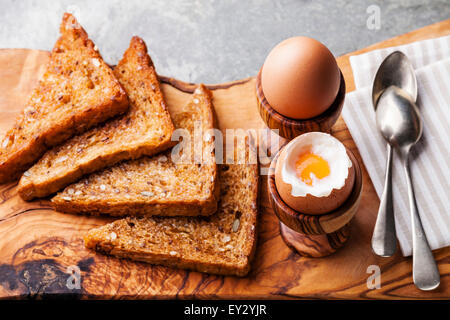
[[310, 163]]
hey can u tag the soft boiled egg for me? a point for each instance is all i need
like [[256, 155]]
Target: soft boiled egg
[[300, 78], [314, 174]]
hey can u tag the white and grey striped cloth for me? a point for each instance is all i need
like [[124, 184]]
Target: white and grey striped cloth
[[430, 163]]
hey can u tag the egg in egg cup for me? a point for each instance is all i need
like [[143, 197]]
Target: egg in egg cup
[[315, 235], [290, 128]]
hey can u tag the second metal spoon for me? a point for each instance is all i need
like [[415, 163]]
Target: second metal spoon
[[401, 126]]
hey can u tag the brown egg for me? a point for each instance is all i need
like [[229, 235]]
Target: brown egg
[[308, 203], [300, 78]]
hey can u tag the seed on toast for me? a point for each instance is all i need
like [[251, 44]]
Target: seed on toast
[[156, 185], [223, 243], [145, 129], [77, 91]]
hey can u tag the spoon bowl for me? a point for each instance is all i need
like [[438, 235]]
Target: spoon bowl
[[398, 119], [395, 70]]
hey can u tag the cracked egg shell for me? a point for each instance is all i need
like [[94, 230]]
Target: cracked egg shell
[[322, 195]]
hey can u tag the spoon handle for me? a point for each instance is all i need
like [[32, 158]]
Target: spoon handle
[[384, 241], [425, 272]]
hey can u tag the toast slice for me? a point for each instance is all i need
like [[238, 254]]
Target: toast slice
[[223, 243], [77, 91], [145, 130], [156, 185]]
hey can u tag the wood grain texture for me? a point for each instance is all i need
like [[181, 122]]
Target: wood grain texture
[[291, 128], [315, 224], [38, 244], [315, 246]]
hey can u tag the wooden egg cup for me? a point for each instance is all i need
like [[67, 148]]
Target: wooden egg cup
[[315, 235], [290, 128]]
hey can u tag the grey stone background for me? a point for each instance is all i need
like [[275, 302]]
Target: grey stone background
[[213, 41]]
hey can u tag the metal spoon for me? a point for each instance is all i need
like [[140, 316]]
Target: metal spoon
[[401, 125], [394, 70]]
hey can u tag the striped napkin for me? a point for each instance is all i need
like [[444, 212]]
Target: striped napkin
[[420, 53], [430, 165]]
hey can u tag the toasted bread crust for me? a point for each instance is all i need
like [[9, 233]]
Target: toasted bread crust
[[149, 186], [77, 91], [223, 244], [145, 130]]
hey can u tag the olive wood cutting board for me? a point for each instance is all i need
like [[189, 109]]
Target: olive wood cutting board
[[37, 244]]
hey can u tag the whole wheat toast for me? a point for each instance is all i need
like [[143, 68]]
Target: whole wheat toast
[[223, 243], [145, 129], [155, 185], [77, 91]]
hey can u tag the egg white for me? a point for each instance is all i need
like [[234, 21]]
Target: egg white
[[325, 146]]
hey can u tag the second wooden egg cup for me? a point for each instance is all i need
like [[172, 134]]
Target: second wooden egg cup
[[290, 128], [315, 235]]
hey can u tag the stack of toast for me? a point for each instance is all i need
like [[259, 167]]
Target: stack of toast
[[103, 141]]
